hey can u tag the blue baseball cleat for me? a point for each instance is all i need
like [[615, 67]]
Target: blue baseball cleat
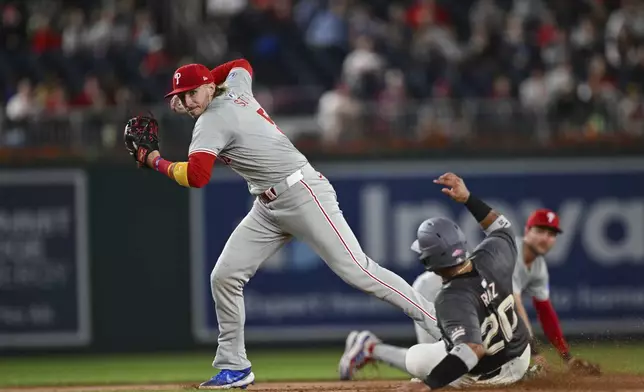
[[229, 379], [358, 352]]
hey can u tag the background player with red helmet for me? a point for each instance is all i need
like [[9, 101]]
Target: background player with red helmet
[[531, 277]]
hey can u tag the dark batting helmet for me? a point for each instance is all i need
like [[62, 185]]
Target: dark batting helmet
[[440, 244]]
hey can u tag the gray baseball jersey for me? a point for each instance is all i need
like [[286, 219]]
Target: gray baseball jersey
[[533, 281], [478, 307], [238, 131]]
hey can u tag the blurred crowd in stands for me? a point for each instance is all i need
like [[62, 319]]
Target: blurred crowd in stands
[[57, 56], [387, 69]]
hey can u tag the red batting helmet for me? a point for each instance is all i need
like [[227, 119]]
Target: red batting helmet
[[544, 217], [189, 77]]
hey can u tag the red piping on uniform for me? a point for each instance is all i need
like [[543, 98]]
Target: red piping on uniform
[[354, 258]]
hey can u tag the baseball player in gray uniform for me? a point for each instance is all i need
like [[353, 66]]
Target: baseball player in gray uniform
[[530, 277], [292, 200], [484, 342]]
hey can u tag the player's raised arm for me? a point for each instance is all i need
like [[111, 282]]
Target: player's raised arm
[[455, 188], [221, 72]]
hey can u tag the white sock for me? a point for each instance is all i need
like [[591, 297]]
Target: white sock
[[391, 355]]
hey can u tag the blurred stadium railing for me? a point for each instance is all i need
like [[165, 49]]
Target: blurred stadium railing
[[350, 127]]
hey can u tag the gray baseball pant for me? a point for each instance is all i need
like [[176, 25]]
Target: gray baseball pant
[[308, 211]]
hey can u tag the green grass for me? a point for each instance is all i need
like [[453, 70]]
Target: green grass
[[186, 368]]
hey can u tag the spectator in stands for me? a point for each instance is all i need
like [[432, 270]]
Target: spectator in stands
[[362, 22], [144, 32], [559, 80], [631, 112], [433, 44], [418, 13], [338, 114], [156, 61], [23, 104], [74, 32], [488, 14], [304, 12], [91, 96], [440, 119], [225, 7], [56, 102], [534, 92], [527, 9], [397, 35], [44, 37], [99, 34], [577, 61], [327, 35], [13, 26], [624, 28], [363, 68], [393, 108]]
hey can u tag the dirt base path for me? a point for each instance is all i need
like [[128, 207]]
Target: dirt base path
[[552, 383]]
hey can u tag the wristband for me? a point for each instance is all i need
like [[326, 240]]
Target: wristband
[[155, 163], [477, 207], [499, 223]]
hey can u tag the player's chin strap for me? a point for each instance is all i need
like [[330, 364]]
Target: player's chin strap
[[458, 362]]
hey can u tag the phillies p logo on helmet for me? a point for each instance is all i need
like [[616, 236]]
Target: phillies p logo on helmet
[[177, 76]]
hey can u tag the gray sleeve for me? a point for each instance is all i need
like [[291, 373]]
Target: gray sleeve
[[539, 288], [517, 282], [501, 247], [240, 80], [210, 134], [428, 284], [459, 320]]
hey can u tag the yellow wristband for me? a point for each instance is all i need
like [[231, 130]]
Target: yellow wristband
[[180, 173]]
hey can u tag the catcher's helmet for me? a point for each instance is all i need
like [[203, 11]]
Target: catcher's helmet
[[440, 244]]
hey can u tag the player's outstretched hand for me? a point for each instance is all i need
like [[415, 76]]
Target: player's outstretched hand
[[541, 361], [176, 105], [584, 368], [455, 187], [415, 385]]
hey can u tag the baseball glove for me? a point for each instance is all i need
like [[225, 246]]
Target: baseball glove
[[583, 368], [141, 138]]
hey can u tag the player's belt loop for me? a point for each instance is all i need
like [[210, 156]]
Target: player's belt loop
[[270, 194], [273, 192]]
